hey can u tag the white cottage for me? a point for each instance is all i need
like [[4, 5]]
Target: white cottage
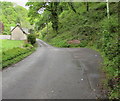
[[18, 33]]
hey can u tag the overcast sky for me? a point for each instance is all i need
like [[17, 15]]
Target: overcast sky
[[19, 2]]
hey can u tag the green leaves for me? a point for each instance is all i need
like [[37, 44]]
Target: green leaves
[[31, 39], [51, 11]]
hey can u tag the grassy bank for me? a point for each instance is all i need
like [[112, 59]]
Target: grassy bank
[[9, 44], [12, 51]]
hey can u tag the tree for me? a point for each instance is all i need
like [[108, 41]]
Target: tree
[[52, 8]]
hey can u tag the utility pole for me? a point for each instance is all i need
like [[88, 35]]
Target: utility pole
[[108, 13]]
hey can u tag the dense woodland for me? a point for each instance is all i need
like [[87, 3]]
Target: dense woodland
[[95, 25], [11, 14]]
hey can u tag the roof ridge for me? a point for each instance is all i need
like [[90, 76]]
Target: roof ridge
[[20, 28]]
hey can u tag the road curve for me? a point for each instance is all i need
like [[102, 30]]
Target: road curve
[[54, 73]]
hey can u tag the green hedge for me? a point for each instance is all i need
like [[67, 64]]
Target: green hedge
[[31, 39], [14, 55]]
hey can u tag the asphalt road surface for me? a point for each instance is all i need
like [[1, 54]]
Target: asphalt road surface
[[54, 73]]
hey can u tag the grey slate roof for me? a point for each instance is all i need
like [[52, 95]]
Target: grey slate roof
[[24, 30]]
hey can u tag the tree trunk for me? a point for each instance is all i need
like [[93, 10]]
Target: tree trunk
[[87, 6]]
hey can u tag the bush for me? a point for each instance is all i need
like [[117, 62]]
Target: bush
[[31, 39], [27, 45]]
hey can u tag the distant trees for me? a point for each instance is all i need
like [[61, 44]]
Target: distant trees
[[12, 14]]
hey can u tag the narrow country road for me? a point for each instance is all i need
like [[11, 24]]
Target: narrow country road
[[54, 73]]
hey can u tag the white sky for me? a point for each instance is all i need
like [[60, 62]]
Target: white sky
[[23, 2], [19, 2]]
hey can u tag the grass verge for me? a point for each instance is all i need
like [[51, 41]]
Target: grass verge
[[9, 44]]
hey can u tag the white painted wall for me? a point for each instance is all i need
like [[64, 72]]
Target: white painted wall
[[17, 34]]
